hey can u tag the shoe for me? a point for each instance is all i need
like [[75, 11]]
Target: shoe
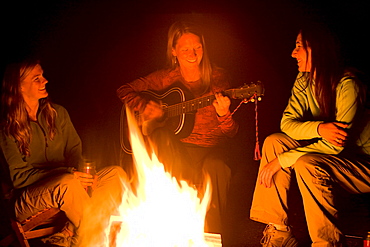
[[275, 238], [57, 240]]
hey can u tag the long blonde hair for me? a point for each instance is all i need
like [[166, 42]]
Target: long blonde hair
[[15, 121], [176, 30]]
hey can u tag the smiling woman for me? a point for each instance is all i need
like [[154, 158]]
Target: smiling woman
[[33, 89], [302, 54], [41, 153], [202, 150], [189, 53], [325, 141]]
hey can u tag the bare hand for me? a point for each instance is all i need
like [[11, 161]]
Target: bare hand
[[85, 179], [222, 104], [334, 133], [152, 110], [268, 171]]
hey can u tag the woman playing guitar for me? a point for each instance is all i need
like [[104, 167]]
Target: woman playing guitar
[[188, 156]]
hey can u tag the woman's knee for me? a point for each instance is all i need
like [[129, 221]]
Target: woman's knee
[[277, 143], [67, 182], [274, 139], [313, 165], [308, 160], [115, 171], [65, 179], [112, 176], [304, 163]]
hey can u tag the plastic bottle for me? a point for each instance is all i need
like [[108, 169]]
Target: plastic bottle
[[367, 240]]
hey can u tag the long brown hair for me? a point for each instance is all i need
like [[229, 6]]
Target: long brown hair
[[327, 66], [176, 30], [15, 121]]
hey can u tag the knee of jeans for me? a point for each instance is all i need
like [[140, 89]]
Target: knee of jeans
[[115, 173], [308, 166], [67, 179], [273, 139], [117, 170]]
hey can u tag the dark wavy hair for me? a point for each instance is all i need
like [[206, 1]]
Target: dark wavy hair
[[15, 121]]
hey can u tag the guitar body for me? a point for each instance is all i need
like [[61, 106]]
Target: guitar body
[[181, 124], [180, 106]]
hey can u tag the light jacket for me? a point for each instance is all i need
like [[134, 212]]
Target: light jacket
[[301, 119]]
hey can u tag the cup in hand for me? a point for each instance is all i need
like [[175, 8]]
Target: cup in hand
[[88, 167]]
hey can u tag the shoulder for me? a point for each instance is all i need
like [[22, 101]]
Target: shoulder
[[349, 89], [60, 110], [348, 81]]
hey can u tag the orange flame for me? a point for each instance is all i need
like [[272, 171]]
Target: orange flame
[[163, 211]]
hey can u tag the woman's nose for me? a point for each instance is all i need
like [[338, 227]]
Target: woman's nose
[[193, 52], [294, 52]]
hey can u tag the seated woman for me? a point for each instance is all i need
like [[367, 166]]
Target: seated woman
[[41, 151], [325, 141], [201, 150]]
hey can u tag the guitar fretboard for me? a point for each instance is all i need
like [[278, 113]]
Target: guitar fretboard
[[191, 105]]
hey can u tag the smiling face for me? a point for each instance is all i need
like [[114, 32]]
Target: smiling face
[[33, 85], [302, 55], [188, 50]]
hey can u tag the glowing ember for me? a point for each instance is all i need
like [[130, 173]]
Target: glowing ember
[[162, 212]]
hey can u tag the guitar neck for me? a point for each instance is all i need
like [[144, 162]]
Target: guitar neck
[[192, 105]]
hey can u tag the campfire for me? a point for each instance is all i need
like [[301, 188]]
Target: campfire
[[160, 211]]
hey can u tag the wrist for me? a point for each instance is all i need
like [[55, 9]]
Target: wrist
[[223, 114]]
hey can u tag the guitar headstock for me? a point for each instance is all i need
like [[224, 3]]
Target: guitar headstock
[[247, 91]]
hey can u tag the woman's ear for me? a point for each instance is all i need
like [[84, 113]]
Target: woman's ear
[[174, 52]]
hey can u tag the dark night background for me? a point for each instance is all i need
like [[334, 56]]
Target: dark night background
[[89, 48]]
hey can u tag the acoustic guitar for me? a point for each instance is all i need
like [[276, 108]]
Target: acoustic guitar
[[179, 108]]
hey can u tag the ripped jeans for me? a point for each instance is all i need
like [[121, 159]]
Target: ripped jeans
[[317, 176]]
